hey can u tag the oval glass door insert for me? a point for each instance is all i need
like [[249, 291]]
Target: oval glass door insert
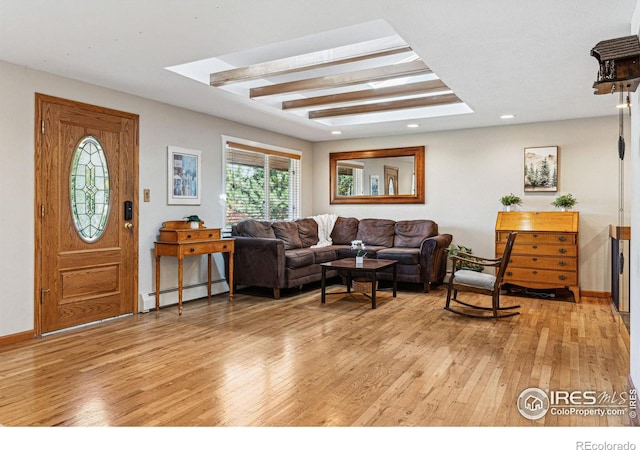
[[90, 189]]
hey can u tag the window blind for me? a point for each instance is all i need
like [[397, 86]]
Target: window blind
[[260, 183]]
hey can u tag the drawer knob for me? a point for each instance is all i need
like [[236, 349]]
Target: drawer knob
[[562, 250], [562, 277], [224, 246], [562, 238], [534, 259], [562, 263], [509, 274], [210, 234], [188, 236], [192, 249], [535, 246], [535, 272], [535, 235]]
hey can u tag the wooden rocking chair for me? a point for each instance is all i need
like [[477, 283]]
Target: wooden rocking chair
[[480, 283]]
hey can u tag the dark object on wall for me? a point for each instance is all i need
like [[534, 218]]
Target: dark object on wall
[[619, 61]]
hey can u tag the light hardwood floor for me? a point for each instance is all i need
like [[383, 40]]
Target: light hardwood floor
[[295, 362]]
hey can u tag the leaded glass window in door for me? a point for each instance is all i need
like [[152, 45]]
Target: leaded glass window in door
[[89, 189]]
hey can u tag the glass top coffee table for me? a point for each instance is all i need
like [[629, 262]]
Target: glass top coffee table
[[369, 266]]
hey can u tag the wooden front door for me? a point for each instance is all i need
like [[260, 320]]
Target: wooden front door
[[390, 180], [86, 213]]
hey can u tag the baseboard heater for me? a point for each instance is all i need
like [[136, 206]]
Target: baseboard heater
[[189, 286], [169, 296]]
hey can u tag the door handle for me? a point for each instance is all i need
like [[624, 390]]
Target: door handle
[[128, 225]]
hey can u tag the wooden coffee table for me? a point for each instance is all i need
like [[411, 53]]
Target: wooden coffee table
[[370, 266]]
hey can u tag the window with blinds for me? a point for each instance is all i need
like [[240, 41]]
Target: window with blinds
[[350, 178], [260, 184]]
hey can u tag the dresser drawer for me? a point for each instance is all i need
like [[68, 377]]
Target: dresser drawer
[[513, 275], [539, 249], [539, 238], [189, 235], [543, 262]]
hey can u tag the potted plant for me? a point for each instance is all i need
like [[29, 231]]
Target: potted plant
[[511, 200], [564, 202], [454, 250], [360, 254], [194, 221]]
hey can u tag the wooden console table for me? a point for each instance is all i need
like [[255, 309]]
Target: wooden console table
[[179, 240]]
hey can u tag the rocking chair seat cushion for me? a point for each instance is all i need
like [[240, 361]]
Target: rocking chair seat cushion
[[475, 279]]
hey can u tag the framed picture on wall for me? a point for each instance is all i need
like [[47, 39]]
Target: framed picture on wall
[[541, 169], [184, 176], [374, 184]]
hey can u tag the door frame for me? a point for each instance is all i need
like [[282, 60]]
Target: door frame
[[39, 125]]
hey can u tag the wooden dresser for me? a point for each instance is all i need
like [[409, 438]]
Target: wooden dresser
[[179, 240], [546, 252]]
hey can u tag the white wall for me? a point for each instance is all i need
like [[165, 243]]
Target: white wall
[[160, 126], [467, 172]]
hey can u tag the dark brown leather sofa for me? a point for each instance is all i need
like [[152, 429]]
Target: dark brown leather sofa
[[281, 255]]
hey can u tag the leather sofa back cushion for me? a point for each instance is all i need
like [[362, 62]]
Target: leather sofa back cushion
[[308, 231], [411, 233], [288, 232], [255, 228], [376, 232], [344, 230]]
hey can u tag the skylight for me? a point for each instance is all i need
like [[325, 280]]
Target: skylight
[[366, 74]]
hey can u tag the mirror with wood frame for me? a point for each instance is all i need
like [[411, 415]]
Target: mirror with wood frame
[[383, 176]]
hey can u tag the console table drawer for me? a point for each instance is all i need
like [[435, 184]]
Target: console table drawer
[[543, 262], [556, 277], [202, 248]]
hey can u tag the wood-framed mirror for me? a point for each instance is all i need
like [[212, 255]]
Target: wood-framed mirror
[[383, 176]]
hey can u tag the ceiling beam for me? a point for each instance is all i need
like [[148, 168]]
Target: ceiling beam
[[422, 87], [343, 79], [331, 57], [386, 106]]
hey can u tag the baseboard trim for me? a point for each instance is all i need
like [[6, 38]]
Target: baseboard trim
[[635, 421], [598, 294], [18, 337]]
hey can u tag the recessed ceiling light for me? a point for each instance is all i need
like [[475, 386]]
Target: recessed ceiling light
[[507, 116], [336, 132], [413, 125]]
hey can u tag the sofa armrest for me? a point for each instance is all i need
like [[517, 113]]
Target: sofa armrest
[[257, 262], [433, 254]]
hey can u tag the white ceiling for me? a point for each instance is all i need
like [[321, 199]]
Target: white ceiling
[[528, 58]]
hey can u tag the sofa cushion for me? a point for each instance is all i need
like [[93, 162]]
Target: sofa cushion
[[376, 232], [324, 254], [299, 257], [288, 232], [255, 228], [402, 255], [344, 230], [411, 233], [308, 231]]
